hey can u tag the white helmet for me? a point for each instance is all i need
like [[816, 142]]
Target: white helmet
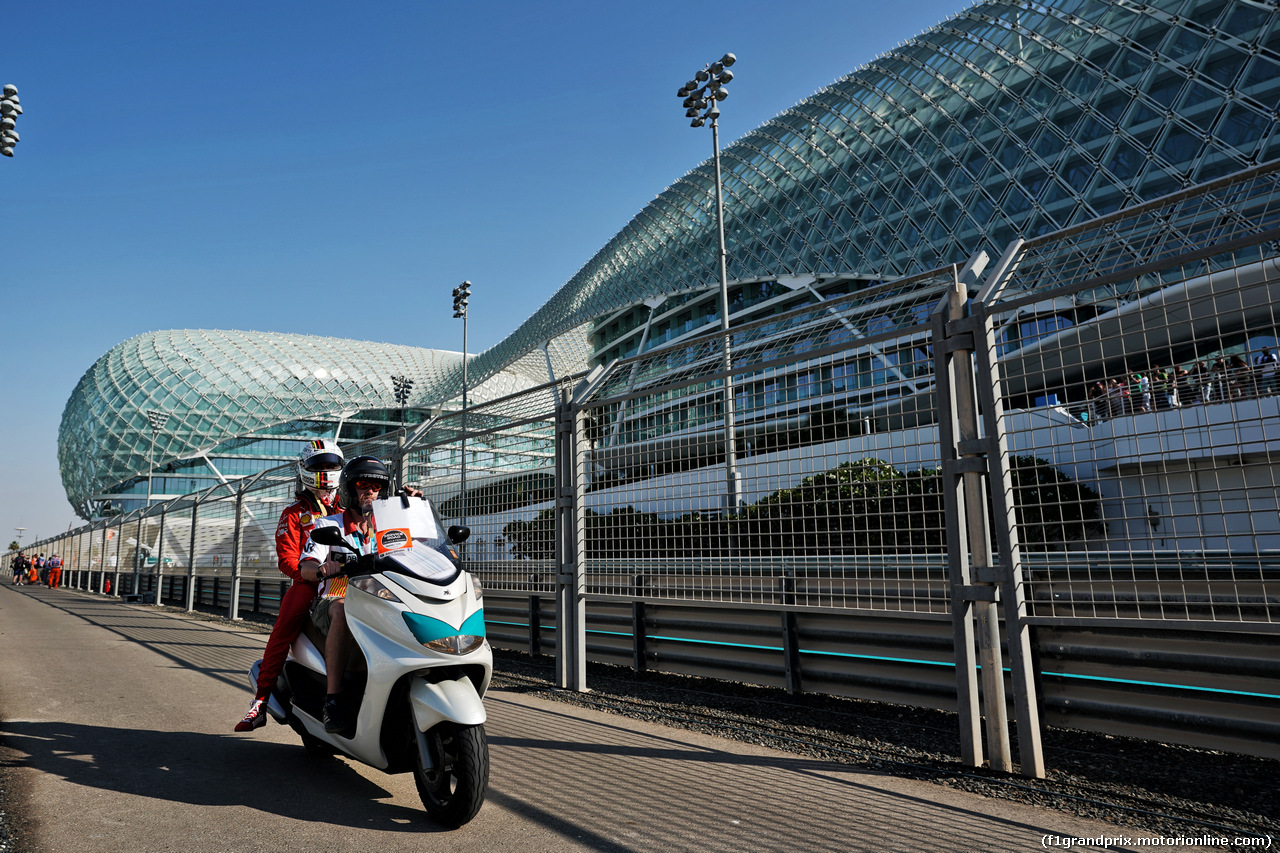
[[320, 465]]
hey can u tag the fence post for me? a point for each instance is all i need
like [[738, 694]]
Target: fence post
[[102, 562], [159, 577], [571, 605], [1010, 573], [969, 571], [115, 573], [790, 633], [639, 631], [535, 625], [137, 555], [233, 609], [188, 588]]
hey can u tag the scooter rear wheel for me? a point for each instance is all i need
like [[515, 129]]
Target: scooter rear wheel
[[452, 791]]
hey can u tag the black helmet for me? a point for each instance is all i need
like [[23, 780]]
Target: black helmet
[[363, 468]]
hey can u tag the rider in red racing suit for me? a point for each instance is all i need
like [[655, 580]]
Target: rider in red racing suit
[[318, 467]]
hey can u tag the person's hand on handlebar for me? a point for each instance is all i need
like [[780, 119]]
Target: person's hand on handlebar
[[332, 567]]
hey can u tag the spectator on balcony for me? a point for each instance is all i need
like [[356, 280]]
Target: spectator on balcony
[[1265, 365], [1099, 410], [1239, 378]]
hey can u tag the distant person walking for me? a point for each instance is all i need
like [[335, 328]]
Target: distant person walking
[[55, 571]]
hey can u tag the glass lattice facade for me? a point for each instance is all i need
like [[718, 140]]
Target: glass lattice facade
[[237, 403], [1008, 120], [1011, 119]]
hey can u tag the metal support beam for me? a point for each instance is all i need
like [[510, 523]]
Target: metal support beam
[[535, 625], [790, 634], [164, 510], [237, 543], [189, 588], [975, 618], [1009, 572], [639, 627], [115, 569], [571, 641], [951, 366]]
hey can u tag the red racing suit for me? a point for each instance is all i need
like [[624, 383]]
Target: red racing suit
[[292, 531]]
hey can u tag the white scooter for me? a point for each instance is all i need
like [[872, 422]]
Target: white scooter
[[418, 621]]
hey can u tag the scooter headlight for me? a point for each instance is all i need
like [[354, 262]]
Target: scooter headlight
[[374, 587], [442, 637], [459, 644]]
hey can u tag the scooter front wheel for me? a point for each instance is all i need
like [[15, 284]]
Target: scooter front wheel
[[453, 789]]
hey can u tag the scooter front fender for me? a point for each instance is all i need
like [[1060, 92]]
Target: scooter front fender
[[455, 701]]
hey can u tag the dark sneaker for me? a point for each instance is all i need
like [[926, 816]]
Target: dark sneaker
[[335, 718], [256, 718]]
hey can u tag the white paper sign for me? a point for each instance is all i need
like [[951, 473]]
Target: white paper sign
[[398, 525]]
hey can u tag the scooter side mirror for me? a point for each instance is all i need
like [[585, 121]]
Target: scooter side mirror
[[458, 534], [330, 536]]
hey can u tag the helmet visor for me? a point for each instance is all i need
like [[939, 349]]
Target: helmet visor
[[323, 462]]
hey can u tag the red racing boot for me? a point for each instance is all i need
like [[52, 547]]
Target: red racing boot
[[256, 718]]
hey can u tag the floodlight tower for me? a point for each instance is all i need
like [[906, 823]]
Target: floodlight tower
[[10, 109], [157, 419], [461, 294], [402, 385], [702, 96]]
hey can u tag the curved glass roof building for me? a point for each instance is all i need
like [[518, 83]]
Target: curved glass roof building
[[232, 404], [1012, 119]]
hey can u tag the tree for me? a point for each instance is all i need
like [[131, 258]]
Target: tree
[[865, 507], [1053, 511], [862, 507]]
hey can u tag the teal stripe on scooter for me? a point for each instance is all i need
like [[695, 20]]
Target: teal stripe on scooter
[[425, 629], [474, 626]]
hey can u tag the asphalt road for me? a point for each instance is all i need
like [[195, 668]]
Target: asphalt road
[[118, 720]]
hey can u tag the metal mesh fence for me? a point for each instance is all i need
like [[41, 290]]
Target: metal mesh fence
[[509, 451], [829, 496], [796, 461], [215, 532], [1142, 410]]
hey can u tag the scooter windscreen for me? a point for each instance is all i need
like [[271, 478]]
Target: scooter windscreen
[[420, 561], [410, 534]]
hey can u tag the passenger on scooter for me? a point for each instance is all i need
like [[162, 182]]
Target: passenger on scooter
[[364, 480], [319, 467]]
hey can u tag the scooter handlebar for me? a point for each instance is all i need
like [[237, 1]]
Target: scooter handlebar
[[363, 564]]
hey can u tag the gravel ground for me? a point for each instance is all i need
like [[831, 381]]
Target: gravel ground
[[1173, 791]]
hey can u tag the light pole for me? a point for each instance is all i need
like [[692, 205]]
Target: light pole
[[461, 294], [402, 385], [157, 419], [20, 530], [702, 96]]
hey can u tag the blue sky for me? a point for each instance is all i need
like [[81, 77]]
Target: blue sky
[[334, 168]]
